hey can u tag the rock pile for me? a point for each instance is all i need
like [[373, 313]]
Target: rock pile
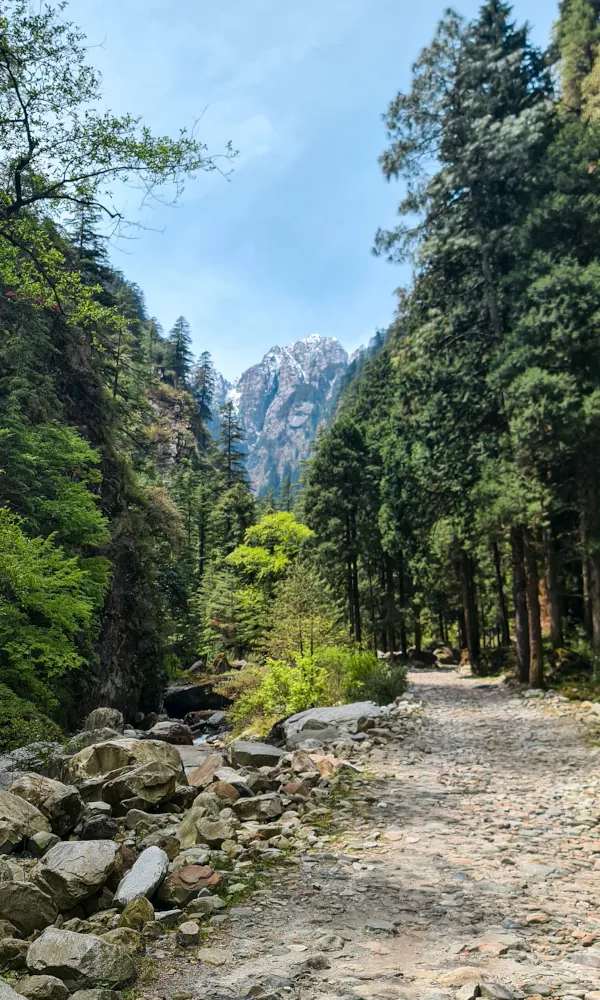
[[131, 845]]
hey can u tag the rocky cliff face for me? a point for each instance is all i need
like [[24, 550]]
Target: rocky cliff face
[[282, 401]]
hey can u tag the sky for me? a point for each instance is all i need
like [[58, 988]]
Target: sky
[[281, 248]]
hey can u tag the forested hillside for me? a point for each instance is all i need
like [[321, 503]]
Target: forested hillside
[[114, 499], [457, 493]]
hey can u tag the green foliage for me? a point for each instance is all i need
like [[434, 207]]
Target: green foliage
[[22, 723], [329, 676], [45, 602]]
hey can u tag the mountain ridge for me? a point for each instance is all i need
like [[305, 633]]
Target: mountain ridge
[[281, 402]]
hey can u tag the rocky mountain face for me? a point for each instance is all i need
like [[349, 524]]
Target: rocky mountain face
[[282, 401]]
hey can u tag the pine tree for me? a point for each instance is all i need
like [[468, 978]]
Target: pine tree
[[231, 455], [180, 353]]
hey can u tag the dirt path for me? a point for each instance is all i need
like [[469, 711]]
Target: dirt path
[[473, 845]]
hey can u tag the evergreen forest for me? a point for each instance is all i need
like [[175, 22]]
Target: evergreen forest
[[454, 500]]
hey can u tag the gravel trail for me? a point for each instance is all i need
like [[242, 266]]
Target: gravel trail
[[472, 844]]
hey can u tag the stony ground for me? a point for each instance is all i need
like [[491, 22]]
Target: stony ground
[[473, 843]]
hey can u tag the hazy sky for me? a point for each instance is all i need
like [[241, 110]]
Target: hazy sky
[[281, 250]]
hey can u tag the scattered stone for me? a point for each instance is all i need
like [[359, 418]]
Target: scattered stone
[[213, 956], [172, 732], [259, 808], [495, 991], [137, 912], [203, 775], [185, 884], [144, 878], [127, 938], [42, 988], [246, 753], [97, 994], [214, 832], [147, 786], [99, 826], [188, 934]]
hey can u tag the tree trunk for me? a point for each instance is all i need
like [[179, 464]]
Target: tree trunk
[[356, 596], [585, 584], [402, 598], [417, 614], [372, 607], [462, 629], [502, 610], [536, 651], [590, 536], [520, 603], [469, 601], [551, 575], [390, 603]]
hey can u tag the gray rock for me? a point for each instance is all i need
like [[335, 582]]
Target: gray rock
[[591, 958], [144, 878], [188, 934], [91, 737], [19, 821], [97, 994], [42, 988], [7, 992], [310, 739], [246, 753], [383, 926], [176, 733], [26, 907], [495, 991], [61, 804], [259, 808], [74, 871], [41, 843], [205, 906], [103, 758], [167, 919], [343, 716], [148, 785], [214, 832], [13, 953], [105, 718], [98, 826], [80, 959]]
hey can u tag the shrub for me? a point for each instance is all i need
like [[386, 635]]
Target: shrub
[[21, 723], [262, 695]]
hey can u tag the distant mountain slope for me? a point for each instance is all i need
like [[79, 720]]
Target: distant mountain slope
[[282, 401]]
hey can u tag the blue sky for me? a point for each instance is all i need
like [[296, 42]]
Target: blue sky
[[281, 250]]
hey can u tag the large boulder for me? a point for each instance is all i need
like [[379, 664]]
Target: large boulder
[[141, 787], [246, 753], [73, 871], [26, 906], [80, 959], [340, 716], [105, 718], [101, 759], [143, 878], [19, 821], [172, 732], [61, 804]]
